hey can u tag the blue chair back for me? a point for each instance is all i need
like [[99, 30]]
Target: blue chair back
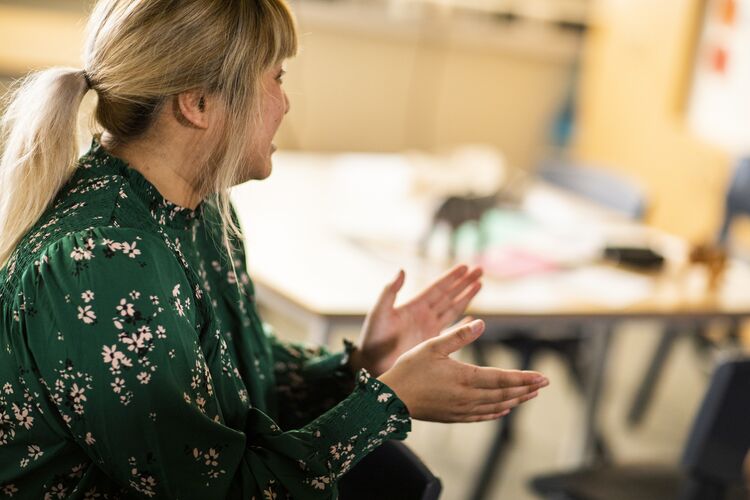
[[738, 198], [720, 438], [605, 188]]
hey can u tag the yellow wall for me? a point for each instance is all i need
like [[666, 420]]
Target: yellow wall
[[32, 38], [368, 81], [390, 86], [633, 96]]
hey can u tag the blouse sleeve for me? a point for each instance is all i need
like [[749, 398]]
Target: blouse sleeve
[[309, 380], [110, 324]]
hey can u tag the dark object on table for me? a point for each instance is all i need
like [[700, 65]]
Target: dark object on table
[[637, 257], [455, 211], [712, 462], [390, 472]]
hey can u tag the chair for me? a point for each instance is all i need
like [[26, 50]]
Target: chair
[[610, 191], [600, 186], [392, 472], [738, 198], [712, 462], [737, 204]]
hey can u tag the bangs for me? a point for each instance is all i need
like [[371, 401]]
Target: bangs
[[259, 35], [277, 32]]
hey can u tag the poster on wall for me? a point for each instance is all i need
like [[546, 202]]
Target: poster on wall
[[719, 102]]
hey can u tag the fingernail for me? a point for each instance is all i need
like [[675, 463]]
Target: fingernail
[[538, 380]]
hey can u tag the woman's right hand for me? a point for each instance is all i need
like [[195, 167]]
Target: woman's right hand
[[437, 388]]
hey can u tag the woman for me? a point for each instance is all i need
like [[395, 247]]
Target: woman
[[133, 360]]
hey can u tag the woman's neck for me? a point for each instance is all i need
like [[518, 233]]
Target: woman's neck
[[165, 165]]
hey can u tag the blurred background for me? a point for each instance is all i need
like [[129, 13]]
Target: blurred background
[[654, 92], [433, 75]]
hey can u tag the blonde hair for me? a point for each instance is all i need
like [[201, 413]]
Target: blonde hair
[[137, 54]]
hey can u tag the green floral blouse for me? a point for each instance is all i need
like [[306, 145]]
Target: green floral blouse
[[132, 366]]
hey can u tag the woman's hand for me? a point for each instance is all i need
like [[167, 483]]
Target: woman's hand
[[437, 388], [390, 331]]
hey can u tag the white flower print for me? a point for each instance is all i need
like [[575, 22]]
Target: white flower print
[[134, 295], [144, 377], [125, 308], [176, 290], [112, 245], [79, 254], [59, 491], [364, 376], [86, 315], [382, 398], [87, 296], [92, 494], [76, 393], [24, 462], [269, 494], [130, 250], [77, 471], [9, 490], [23, 417], [34, 451], [320, 482], [211, 457], [134, 341], [114, 357], [90, 439], [7, 388], [201, 402]]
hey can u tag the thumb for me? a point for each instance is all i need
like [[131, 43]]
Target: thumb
[[457, 337]]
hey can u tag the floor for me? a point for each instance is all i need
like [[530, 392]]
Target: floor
[[547, 427]]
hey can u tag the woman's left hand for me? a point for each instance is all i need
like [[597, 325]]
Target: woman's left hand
[[390, 331]]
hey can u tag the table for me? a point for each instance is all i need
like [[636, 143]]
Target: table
[[325, 233]]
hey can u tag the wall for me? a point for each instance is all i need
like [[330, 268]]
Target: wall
[[369, 79], [368, 82], [632, 118]]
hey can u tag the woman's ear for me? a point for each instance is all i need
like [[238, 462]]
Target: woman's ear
[[189, 109]]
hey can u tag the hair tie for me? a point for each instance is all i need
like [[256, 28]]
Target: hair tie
[[88, 80]]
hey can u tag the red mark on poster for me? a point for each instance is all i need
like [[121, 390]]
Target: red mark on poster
[[728, 12], [718, 60]]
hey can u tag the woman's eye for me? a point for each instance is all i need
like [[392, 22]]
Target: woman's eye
[[280, 76]]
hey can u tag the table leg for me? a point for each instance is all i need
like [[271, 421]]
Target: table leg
[[600, 338]]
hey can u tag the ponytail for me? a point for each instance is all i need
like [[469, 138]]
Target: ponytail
[[38, 133]]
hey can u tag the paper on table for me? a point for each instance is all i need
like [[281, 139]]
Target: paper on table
[[610, 287], [375, 190], [514, 262]]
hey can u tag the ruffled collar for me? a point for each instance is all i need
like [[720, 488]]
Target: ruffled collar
[[99, 161]]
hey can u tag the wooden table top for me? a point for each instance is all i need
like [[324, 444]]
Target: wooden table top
[[327, 232]]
